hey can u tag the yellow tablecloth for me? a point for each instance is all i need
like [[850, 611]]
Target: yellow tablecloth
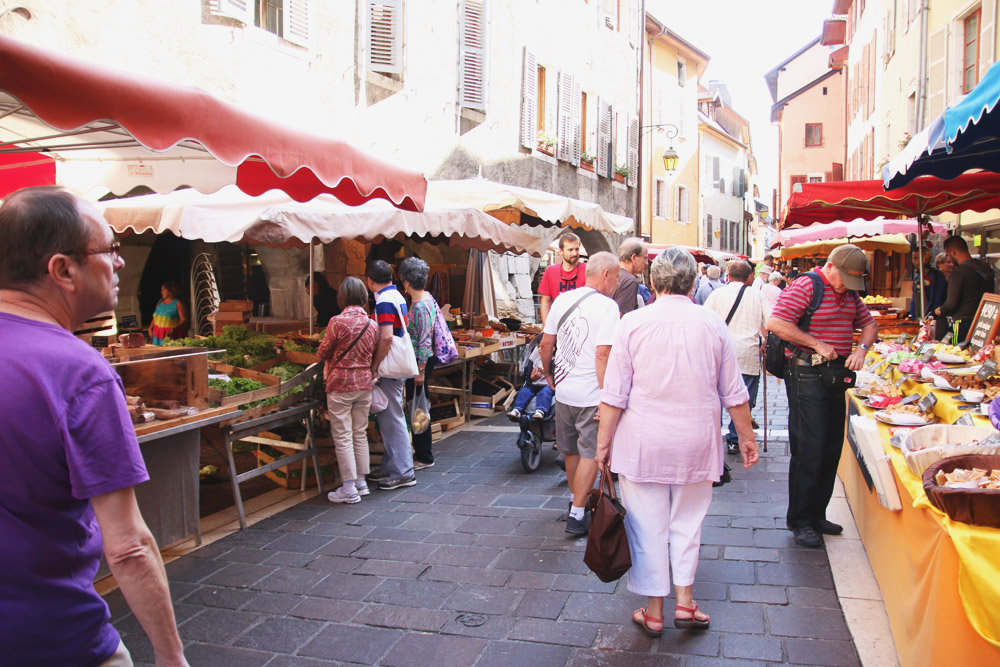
[[940, 579]]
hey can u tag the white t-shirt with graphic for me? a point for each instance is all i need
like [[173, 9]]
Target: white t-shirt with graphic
[[587, 327]]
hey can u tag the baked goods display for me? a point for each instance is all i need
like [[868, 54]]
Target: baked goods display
[[962, 478]]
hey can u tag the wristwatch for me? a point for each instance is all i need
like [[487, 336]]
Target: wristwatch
[[864, 347]]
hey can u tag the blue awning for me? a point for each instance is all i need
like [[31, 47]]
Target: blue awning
[[964, 137]]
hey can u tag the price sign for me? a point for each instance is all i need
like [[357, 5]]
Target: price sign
[[927, 355], [965, 407], [130, 322], [99, 341], [987, 370], [912, 398], [927, 402], [965, 420], [887, 373], [901, 380], [947, 339], [874, 366], [984, 324]]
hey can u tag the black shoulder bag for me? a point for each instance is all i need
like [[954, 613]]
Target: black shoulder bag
[[775, 360]]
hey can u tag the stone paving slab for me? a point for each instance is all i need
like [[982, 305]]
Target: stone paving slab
[[472, 568]]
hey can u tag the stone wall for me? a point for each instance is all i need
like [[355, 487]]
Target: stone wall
[[512, 276]]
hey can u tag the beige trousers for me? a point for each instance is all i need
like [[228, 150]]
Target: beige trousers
[[349, 427]]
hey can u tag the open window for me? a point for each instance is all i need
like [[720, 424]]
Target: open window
[[288, 19]]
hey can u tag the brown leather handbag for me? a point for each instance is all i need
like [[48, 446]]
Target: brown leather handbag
[[607, 553]]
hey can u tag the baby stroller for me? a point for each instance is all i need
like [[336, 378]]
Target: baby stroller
[[534, 432]]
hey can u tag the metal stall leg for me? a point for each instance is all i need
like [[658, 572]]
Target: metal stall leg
[[228, 439], [311, 442]]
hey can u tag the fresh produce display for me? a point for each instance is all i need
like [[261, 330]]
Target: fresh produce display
[[244, 348], [872, 300], [296, 346], [237, 385]]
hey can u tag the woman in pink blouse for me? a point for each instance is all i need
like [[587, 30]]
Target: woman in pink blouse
[[671, 365], [348, 348]]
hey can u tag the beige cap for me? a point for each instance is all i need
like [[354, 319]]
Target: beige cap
[[853, 265]]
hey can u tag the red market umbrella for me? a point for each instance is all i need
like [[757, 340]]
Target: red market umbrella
[[105, 127], [812, 203], [854, 229]]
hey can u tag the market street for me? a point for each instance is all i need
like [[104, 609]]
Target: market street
[[471, 567]]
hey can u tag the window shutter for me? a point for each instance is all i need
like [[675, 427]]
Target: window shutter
[[529, 97], [564, 125], [296, 23], [743, 182], [577, 114], [685, 205], [708, 230], [633, 151], [838, 171], [891, 31], [241, 10], [987, 29], [472, 55], [634, 24], [677, 203], [937, 53], [609, 14], [715, 171], [736, 181], [605, 166], [385, 36]]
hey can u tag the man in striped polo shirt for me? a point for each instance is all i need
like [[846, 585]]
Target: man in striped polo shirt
[[816, 410]]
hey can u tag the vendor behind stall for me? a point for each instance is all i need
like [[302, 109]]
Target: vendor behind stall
[[966, 286], [170, 319], [324, 299], [935, 287]]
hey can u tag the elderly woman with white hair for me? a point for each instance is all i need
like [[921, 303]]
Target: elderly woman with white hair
[[708, 284], [659, 425]]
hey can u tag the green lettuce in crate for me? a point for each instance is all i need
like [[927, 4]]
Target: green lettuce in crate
[[245, 348]]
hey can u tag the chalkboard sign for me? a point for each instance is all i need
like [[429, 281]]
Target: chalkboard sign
[[984, 324], [987, 370], [99, 342], [130, 322]]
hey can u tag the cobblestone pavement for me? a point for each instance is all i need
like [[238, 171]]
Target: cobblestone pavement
[[471, 567]]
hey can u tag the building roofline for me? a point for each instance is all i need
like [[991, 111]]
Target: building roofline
[[771, 76], [673, 36], [777, 106]]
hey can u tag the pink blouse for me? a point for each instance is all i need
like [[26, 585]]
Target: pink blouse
[[354, 372], [671, 365]]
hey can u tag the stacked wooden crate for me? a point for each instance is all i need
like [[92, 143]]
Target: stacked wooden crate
[[232, 312]]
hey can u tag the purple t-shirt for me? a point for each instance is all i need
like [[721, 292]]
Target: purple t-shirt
[[65, 437]]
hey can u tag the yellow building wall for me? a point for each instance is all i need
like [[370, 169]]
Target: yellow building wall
[[663, 70]]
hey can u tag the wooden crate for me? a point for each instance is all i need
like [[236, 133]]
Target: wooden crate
[[275, 387], [448, 414], [290, 476], [236, 306], [166, 374], [467, 349]]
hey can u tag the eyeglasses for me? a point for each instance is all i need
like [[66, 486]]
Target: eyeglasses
[[114, 249]]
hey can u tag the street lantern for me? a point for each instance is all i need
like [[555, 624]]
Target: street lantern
[[670, 159]]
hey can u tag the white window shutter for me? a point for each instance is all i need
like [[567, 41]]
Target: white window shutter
[[609, 14], [987, 29], [564, 118], [384, 19], [577, 124], [241, 10], [634, 23], [937, 73], [605, 167], [677, 202], [529, 100], [633, 150], [472, 54], [685, 205], [296, 23]]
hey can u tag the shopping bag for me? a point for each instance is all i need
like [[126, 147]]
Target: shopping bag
[[400, 363], [607, 554], [420, 411], [445, 350], [379, 400]]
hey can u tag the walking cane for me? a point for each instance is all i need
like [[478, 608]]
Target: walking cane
[[765, 399]]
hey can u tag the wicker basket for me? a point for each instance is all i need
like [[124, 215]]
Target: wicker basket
[[979, 507]]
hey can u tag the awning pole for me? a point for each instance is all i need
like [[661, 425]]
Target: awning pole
[[920, 263], [312, 288]]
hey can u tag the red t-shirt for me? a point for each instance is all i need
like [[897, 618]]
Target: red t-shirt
[[555, 281], [833, 322]]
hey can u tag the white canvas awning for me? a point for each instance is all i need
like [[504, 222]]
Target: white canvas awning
[[275, 219], [498, 199]]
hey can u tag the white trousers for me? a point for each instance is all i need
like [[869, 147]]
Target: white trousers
[[663, 523], [348, 412]]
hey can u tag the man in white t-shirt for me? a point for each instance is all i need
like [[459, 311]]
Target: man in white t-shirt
[[578, 333]]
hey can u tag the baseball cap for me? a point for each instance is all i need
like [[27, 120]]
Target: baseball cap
[[853, 265]]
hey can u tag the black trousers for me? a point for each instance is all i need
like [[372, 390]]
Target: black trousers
[[816, 417], [422, 441]]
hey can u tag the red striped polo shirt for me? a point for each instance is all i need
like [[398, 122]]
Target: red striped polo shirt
[[836, 318]]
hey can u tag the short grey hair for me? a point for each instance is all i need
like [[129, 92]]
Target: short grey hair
[[631, 248], [940, 259], [414, 271], [600, 262], [776, 277], [713, 272], [673, 271]]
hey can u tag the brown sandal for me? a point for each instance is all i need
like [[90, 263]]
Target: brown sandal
[[646, 619], [692, 623]]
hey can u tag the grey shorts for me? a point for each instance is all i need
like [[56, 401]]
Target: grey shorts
[[576, 430]]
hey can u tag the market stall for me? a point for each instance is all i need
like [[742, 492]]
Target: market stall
[[939, 577]]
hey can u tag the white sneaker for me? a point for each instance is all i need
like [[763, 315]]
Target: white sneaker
[[514, 414], [363, 490], [342, 496], [539, 415]]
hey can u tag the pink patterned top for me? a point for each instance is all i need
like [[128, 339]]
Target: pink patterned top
[[354, 371]]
